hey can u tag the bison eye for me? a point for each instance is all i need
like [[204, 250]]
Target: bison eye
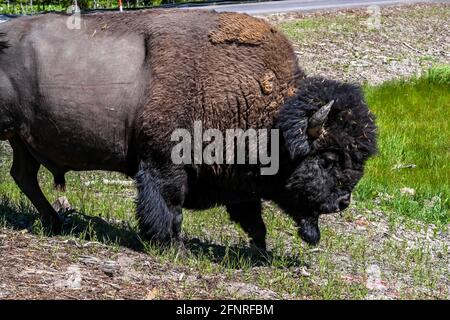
[[330, 157]]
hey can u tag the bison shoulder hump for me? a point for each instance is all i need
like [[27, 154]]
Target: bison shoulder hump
[[241, 29]]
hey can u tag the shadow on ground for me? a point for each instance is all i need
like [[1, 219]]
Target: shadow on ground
[[235, 257], [76, 224], [81, 226]]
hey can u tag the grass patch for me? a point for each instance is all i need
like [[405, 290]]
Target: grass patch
[[304, 29], [414, 147]]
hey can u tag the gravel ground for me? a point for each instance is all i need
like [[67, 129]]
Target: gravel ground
[[395, 262], [342, 45], [33, 267]]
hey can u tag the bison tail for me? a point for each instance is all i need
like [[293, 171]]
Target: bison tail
[[155, 218]]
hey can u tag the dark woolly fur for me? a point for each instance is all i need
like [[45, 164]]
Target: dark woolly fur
[[3, 43], [226, 70], [159, 201], [329, 166], [151, 208], [349, 123]]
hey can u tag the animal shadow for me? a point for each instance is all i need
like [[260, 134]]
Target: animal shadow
[[75, 224], [239, 256], [90, 228]]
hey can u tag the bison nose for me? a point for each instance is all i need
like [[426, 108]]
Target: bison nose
[[343, 202]]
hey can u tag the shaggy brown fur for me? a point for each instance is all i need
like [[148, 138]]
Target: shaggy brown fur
[[241, 29]]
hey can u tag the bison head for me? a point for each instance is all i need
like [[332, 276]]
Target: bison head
[[328, 134]]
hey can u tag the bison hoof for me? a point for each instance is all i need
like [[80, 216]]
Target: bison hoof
[[182, 251], [54, 225]]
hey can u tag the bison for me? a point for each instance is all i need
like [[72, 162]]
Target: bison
[[109, 94]]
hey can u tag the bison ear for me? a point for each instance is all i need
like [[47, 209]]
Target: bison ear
[[317, 120]]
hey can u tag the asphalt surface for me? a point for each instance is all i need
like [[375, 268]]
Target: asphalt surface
[[304, 5], [267, 7]]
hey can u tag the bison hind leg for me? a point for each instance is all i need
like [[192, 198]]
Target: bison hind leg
[[59, 182]]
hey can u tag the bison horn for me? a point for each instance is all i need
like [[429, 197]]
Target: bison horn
[[318, 119]]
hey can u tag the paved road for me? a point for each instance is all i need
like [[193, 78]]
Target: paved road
[[293, 5], [304, 5]]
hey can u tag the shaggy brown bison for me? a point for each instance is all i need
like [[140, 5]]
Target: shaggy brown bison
[[108, 96]]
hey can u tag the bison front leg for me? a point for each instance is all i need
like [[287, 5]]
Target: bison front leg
[[249, 216], [24, 171], [159, 202]]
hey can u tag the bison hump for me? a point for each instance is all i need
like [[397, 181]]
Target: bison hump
[[240, 29]]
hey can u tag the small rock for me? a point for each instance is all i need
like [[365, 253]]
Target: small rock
[[110, 267], [302, 271], [61, 205], [3, 292], [432, 202], [89, 260], [404, 166], [73, 280], [374, 281], [362, 222], [124, 183], [314, 250], [152, 294], [408, 191]]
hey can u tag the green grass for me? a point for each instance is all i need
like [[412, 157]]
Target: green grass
[[303, 29], [413, 119]]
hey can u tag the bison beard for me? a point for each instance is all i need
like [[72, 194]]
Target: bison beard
[[227, 70]]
